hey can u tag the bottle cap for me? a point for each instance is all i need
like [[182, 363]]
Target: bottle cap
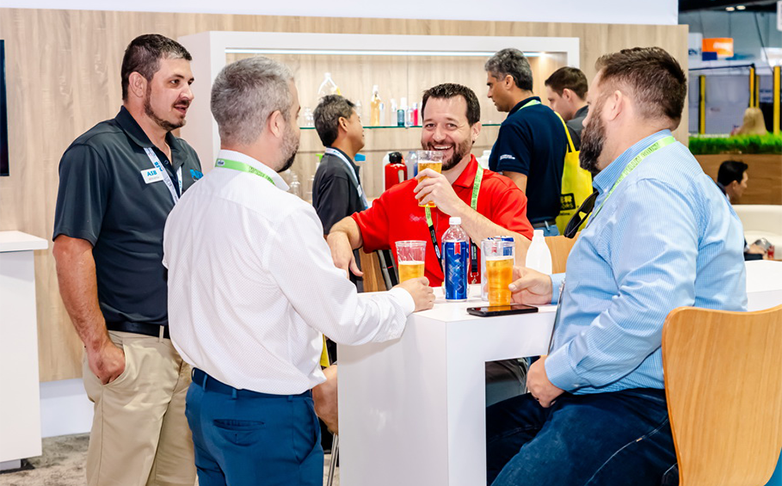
[[455, 220]]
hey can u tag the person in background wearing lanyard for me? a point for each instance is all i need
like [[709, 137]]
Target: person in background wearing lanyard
[[531, 143], [337, 191], [118, 183], [451, 124], [252, 289], [662, 236]]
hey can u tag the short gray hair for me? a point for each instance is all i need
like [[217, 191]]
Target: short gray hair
[[514, 62], [246, 93], [327, 114]]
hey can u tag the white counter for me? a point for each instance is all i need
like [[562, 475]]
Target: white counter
[[20, 419], [412, 411]]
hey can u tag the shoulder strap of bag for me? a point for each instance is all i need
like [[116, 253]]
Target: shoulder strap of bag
[[570, 146]]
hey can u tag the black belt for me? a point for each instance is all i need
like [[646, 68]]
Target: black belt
[[544, 224], [210, 384], [138, 328]]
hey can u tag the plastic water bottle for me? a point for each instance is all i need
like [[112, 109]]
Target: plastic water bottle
[[456, 259], [538, 255]]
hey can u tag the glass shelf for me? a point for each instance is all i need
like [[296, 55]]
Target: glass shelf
[[398, 127]]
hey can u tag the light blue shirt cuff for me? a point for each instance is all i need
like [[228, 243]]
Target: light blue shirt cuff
[[556, 282], [559, 372]]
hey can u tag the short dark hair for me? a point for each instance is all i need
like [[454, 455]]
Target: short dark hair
[[731, 170], [451, 90], [327, 114], [570, 78], [143, 56], [655, 78], [514, 62]]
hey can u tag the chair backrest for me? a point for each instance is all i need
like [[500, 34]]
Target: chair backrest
[[723, 382], [373, 277], [560, 247]]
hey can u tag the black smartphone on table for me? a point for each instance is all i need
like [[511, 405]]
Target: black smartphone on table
[[501, 310]]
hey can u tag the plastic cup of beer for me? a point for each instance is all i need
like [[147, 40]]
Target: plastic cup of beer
[[410, 259], [498, 255], [429, 159]]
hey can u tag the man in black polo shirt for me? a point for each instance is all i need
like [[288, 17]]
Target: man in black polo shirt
[[118, 182], [337, 191], [531, 145]]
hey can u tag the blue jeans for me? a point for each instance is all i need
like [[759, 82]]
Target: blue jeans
[[254, 439], [619, 438], [551, 230]]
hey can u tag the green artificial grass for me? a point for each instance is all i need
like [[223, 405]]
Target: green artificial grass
[[739, 144]]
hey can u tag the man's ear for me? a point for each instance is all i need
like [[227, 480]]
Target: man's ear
[[508, 81], [475, 131], [342, 123], [567, 94], [276, 123], [615, 104], [137, 84]]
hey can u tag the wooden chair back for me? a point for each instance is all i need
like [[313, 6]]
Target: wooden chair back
[[373, 278], [723, 382], [560, 247]]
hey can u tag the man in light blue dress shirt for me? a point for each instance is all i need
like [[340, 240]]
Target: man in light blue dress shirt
[[661, 236]]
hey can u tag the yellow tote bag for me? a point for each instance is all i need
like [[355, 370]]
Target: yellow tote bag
[[576, 183]]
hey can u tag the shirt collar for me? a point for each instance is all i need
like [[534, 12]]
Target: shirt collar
[[521, 103], [278, 181], [581, 112], [467, 177], [134, 131], [608, 176]]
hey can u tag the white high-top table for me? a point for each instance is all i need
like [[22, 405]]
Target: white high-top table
[[20, 416], [412, 411]]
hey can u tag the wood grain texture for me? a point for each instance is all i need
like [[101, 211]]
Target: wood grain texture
[[764, 185], [560, 247], [724, 412], [63, 78]]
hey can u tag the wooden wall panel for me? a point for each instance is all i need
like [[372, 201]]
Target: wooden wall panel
[[63, 77]]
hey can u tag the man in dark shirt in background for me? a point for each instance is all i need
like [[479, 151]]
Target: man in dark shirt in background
[[531, 145], [566, 91]]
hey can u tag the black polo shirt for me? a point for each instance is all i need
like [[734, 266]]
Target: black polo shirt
[[104, 198], [532, 141], [334, 194]]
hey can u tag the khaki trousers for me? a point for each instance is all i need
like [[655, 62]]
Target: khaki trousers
[[139, 432]]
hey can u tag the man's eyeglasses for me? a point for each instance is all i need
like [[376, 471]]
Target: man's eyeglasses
[[577, 219]]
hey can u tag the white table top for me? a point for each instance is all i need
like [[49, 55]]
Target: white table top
[[18, 241]]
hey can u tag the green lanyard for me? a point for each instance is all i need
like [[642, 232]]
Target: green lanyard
[[530, 103], [241, 167], [663, 142], [476, 187]]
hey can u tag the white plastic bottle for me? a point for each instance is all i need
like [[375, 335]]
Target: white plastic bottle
[[328, 87], [295, 185], [538, 255]]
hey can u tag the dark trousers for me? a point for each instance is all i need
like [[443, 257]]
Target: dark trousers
[[619, 438], [254, 439]]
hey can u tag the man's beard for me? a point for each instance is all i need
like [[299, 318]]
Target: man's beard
[[164, 124], [592, 141], [290, 145], [459, 152]]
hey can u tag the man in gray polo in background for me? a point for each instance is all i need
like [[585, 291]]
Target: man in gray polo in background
[[118, 182]]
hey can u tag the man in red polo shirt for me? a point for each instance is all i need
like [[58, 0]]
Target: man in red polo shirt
[[451, 115]]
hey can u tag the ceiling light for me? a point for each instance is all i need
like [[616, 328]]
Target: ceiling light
[[740, 7], [730, 9]]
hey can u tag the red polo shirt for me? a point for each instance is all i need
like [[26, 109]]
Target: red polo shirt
[[396, 216]]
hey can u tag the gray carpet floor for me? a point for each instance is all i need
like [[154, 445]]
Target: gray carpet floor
[[62, 464]]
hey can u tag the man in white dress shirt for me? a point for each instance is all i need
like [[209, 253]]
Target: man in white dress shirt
[[252, 287]]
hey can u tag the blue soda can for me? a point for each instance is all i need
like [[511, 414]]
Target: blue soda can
[[456, 258]]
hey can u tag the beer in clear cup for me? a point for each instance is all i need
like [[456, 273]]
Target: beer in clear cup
[[410, 259], [499, 258], [429, 159]]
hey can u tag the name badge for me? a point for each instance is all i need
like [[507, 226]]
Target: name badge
[[151, 175]]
